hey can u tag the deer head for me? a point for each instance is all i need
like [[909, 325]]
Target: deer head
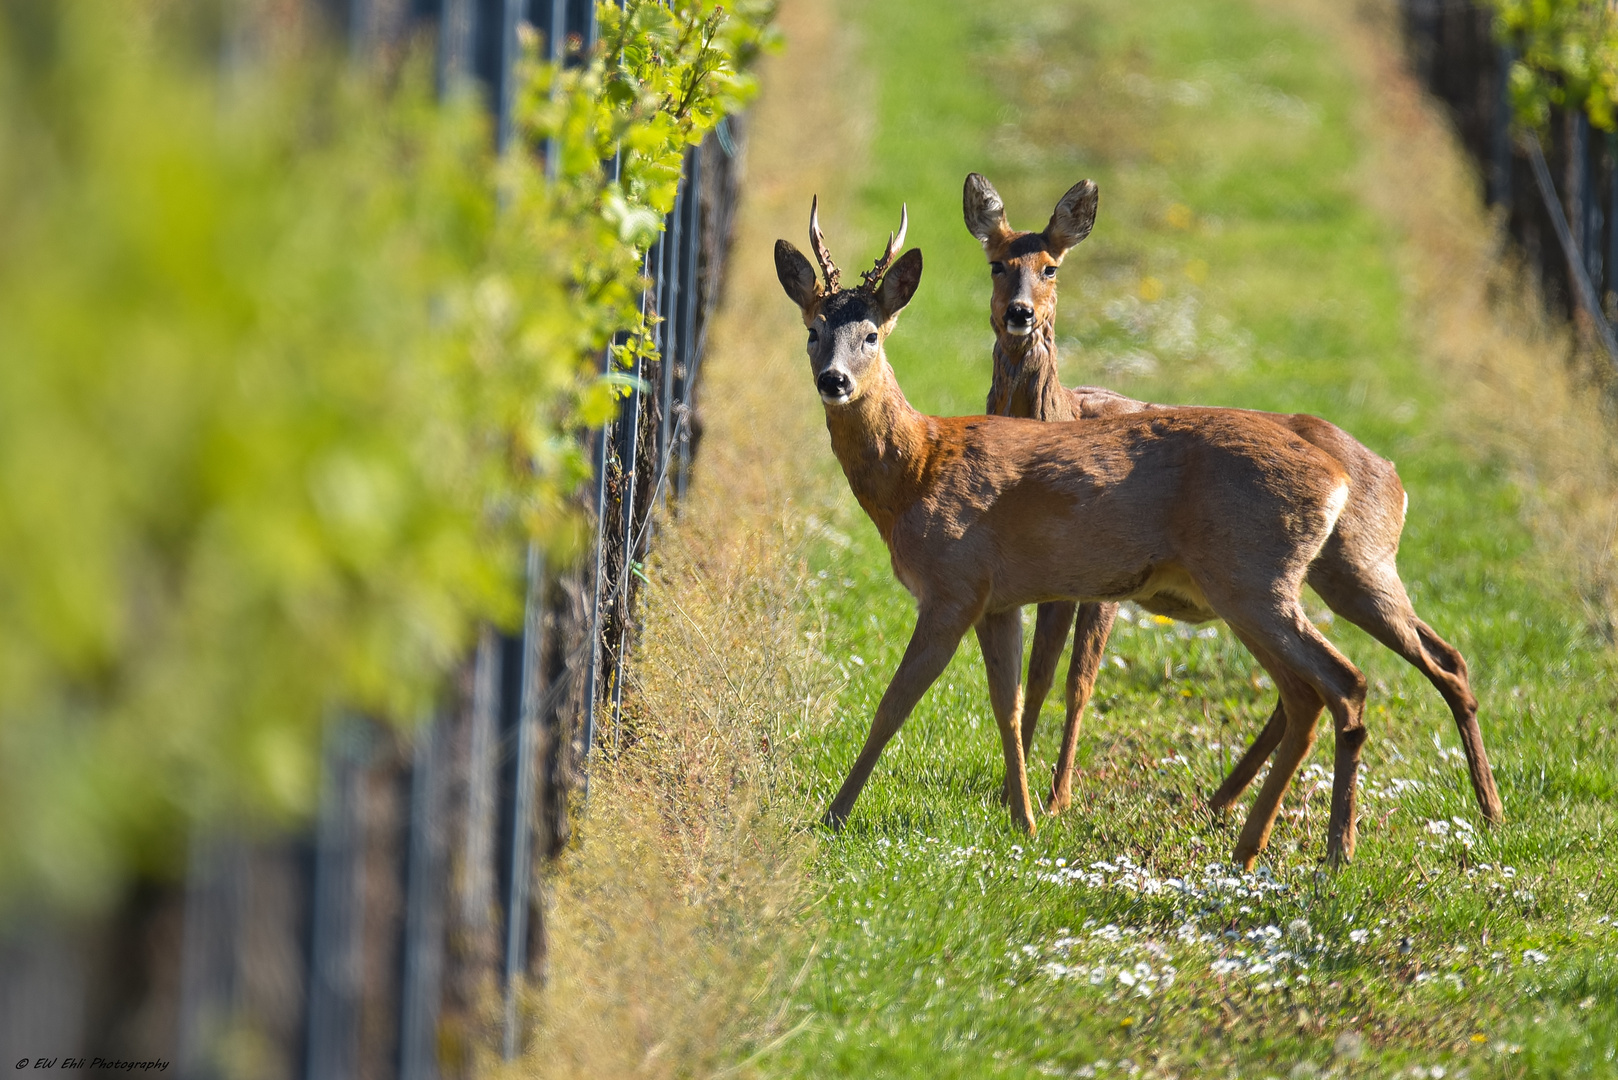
[[1024, 264], [847, 326]]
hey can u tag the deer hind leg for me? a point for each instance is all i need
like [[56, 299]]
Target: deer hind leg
[[1050, 638], [932, 644], [1090, 633], [1247, 768], [1445, 668], [1299, 707], [1376, 602], [1000, 635], [1296, 644]]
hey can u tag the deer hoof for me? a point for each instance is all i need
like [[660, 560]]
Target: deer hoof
[[1057, 802], [833, 820]]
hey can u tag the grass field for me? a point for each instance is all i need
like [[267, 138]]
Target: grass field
[[1237, 260]]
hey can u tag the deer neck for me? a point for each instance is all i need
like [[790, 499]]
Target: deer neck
[[883, 446], [1025, 377]]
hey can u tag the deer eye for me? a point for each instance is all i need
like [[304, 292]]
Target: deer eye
[[870, 339], [997, 268], [1050, 271], [814, 336]]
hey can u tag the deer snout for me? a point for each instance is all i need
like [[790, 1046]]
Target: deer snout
[[1019, 317], [834, 386]]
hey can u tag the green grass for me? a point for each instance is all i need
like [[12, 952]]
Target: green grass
[[950, 945]]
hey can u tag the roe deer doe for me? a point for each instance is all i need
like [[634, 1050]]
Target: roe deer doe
[[1355, 572], [1193, 512]]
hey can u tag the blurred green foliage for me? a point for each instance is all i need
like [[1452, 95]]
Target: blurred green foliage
[[663, 76], [290, 372], [1566, 56]]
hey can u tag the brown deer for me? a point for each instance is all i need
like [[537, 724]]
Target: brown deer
[[1197, 513], [1355, 572]]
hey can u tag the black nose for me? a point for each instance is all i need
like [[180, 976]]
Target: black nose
[[1019, 313], [834, 384]]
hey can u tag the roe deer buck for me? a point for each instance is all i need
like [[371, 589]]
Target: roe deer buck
[[1197, 513], [1355, 572]]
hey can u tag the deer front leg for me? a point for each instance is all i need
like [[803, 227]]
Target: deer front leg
[[1050, 637], [1000, 635], [1090, 633], [932, 644]]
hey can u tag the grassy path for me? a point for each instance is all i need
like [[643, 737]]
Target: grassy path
[[1237, 259]]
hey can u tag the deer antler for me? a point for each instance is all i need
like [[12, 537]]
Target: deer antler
[[873, 276], [817, 241]]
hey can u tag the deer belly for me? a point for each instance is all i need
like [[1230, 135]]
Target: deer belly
[[1171, 592]]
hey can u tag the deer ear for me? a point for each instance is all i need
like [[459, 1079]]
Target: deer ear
[[899, 283], [797, 276], [984, 212], [1074, 217]]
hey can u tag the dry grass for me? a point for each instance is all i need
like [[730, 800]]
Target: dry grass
[[1526, 391], [672, 919]]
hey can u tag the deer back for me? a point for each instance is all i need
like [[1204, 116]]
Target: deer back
[[1178, 503]]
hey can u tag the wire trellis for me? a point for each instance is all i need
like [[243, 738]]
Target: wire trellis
[[1557, 193], [371, 946]]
